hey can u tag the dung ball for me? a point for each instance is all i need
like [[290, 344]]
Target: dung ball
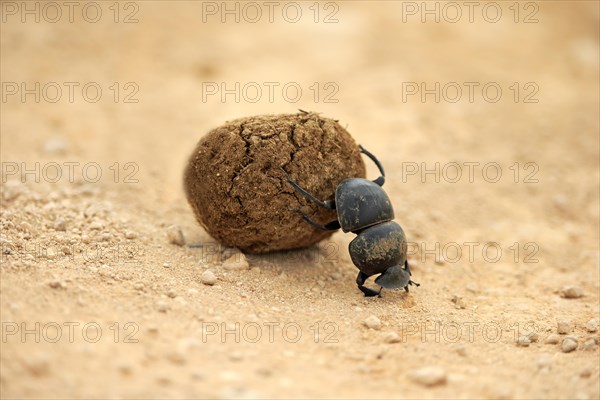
[[238, 190]]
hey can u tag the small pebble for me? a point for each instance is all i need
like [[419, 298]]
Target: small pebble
[[51, 253], [523, 341], [177, 356], [208, 278], [130, 235], [569, 344], [533, 337], [163, 380], [60, 225], [544, 361], [95, 226], [563, 327], [25, 226], [553, 338], [472, 287], [57, 284], [125, 368], [459, 302], [429, 376], [571, 292], [138, 286], [592, 325], [436, 215], [585, 373], [198, 375], [461, 350], [236, 262], [264, 371], [172, 293], [589, 344], [161, 306], [561, 201], [372, 322], [55, 146], [336, 276], [39, 366], [175, 235], [392, 337]]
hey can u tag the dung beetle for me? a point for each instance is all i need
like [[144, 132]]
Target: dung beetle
[[364, 209]]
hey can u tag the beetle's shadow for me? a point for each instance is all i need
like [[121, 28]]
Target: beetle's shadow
[[298, 260]]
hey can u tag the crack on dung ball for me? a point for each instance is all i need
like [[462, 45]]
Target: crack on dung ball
[[253, 210]]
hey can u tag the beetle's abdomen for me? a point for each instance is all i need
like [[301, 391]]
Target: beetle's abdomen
[[361, 203], [378, 248]]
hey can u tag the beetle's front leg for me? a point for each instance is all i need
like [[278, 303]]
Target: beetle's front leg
[[360, 280]]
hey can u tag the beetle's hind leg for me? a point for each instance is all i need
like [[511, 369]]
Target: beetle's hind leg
[[330, 204], [381, 180], [360, 281], [331, 226], [410, 282]]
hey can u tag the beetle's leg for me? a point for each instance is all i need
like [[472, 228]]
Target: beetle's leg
[[410, 282], [360, 280], [381, 180], [331, 226], [330, 204]]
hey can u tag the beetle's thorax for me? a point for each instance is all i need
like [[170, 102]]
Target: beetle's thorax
[[360, 204]]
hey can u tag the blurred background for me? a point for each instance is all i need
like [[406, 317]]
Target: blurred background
[[423, 85]]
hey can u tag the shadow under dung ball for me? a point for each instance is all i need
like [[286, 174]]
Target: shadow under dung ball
[[240, 195]]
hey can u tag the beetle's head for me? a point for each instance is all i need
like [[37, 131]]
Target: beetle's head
[[394, 277]]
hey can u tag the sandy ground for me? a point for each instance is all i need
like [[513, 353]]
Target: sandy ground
[[96, 303]]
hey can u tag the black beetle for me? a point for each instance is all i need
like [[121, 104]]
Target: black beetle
[[364, 208]]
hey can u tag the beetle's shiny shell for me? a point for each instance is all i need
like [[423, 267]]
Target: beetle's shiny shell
[[378, 248], [361, 203]]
